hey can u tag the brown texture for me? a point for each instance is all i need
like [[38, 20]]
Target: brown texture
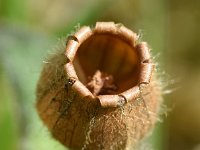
[[83, 119], [101, 84]]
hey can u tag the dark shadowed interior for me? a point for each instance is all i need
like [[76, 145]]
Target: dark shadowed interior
[[109, 54]]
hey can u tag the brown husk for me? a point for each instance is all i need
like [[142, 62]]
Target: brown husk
[[82, 123]]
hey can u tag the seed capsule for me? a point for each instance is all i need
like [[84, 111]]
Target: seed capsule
[[101, 92]]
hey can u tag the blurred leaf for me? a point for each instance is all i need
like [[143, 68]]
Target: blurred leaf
[[22, 52], [8, 122], [13, 10]]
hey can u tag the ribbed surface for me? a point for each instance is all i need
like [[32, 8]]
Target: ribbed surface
[[75, 116]]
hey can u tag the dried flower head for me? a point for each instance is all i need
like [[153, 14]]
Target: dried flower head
[[100, 92]]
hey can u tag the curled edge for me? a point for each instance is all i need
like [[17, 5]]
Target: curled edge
[[116, 29]]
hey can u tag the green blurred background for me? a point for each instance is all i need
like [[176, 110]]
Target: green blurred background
[[30, 29]]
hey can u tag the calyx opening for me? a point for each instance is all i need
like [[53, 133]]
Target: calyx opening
[[107, 64]]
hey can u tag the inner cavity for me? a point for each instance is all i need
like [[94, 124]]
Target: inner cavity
[[108, 60]]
